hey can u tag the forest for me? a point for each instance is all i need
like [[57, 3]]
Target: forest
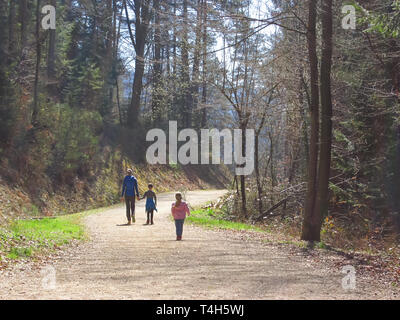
[[81, 85]]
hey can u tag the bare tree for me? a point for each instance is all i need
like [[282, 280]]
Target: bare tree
[[141, 9]]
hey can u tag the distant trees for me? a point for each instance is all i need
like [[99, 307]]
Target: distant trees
[[54, 83], [52, 80], [350, 162], [170, 44]]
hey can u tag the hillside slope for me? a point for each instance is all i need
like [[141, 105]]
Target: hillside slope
[[32, 196]]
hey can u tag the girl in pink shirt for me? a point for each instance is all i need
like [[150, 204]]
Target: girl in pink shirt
[[179, 210]]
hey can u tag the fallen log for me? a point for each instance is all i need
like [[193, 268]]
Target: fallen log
[[265, 213]]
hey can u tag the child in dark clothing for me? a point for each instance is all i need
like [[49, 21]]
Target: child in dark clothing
[[151, 203]]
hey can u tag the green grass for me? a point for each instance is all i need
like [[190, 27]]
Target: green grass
[[27, 238], [208, 218], [321, 245]]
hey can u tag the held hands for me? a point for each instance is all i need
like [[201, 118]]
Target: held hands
[[122, 198]]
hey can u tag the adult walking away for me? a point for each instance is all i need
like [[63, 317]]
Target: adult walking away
[[179, 210], [129, 187]]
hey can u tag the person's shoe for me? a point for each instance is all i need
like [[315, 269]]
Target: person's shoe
[[133, 219], [147, 222], [179, 238], [152, 222], [129, 222]]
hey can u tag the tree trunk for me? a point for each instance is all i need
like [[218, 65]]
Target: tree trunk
[[141, 26], [271, 165], [310, 227], [108, 68], [174, 44], [196, 58], [116, 38], [321, 208], [3, 34], [51, 54], [303, 88], [256, 162], [185, 81], [204, 89], [23, 19], [11, 31], [35, 111], [242, 177], [134, 107], [257, 171], [157, 66]]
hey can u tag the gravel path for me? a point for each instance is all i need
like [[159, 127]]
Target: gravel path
[[145, 262]]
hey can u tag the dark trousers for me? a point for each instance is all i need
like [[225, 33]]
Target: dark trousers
[[150, 214], [179, 226], [130, 207]]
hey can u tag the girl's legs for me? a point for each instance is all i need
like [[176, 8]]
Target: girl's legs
[[179, 228], [151, 215], [148, 217]]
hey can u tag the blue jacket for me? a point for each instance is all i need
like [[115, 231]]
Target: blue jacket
[[129, 186]]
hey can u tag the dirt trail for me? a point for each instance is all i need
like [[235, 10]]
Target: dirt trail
[[145, 262]]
